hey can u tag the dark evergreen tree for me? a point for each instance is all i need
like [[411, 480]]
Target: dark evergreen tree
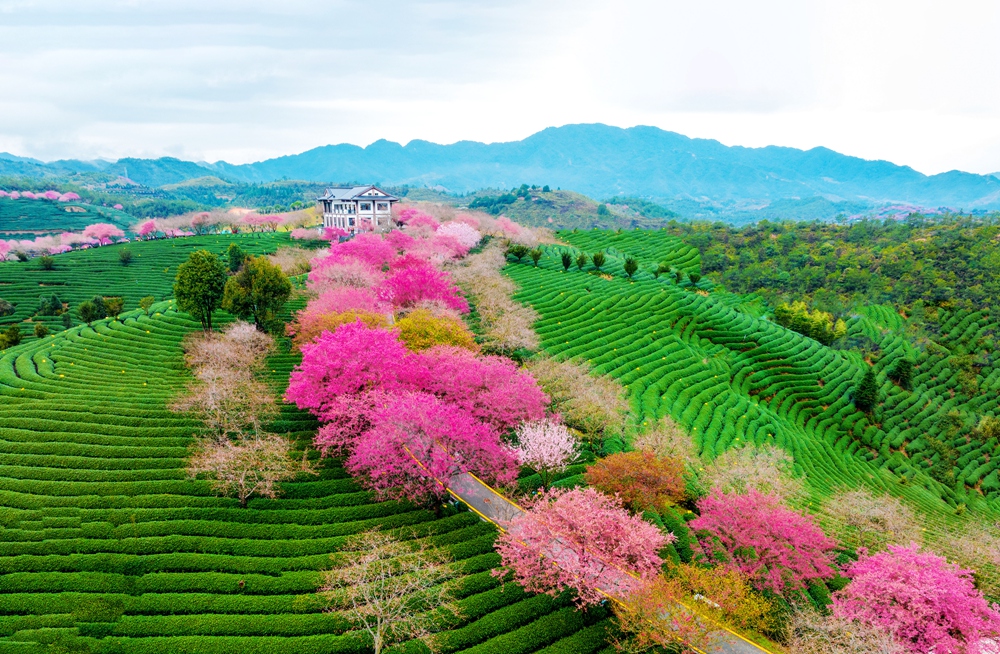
[[866, 394], [567, 260], [631, 265], [902, 373]]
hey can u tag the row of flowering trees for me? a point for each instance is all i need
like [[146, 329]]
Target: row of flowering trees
[[51, 195]]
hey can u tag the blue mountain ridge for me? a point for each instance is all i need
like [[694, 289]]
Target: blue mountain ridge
[[598, 160]]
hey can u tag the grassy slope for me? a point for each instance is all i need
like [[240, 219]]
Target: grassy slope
[[82, 274], [43, 215], [709, 361], [104, 543]]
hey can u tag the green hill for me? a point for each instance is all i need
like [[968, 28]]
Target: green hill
[[42, 215], [560, 210], [714, 362]]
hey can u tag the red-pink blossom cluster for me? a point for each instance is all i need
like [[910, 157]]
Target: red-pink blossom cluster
[[928, 604], [774, 547], [348, 376], [579, 539], [54, 196], [146, 229]]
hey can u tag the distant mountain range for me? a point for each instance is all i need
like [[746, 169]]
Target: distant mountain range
[[694, 177]]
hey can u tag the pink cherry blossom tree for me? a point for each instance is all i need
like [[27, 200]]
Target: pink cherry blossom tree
[[146, 228], [51, 195], [4, 249], [579, 539], [103, 232], [464, 233], [69, 197], [492, 388], [417, 443], [414, 284], [14, 195], [928, 604], [352, 359], [370, 249], [773, 546], [29, 195], [546, 447]]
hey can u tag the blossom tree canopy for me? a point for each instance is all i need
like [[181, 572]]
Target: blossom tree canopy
[[51, 195], [465, 234], [546, 447], [492, 388], [928, 604], [370, 249], [579, 539], [775, 547], [417, 283], [352, 359], [103, 232], [146, 228], [69, 197], [416, 438], [4, 249]]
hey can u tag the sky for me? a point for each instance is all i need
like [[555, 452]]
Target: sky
[[913, 82]]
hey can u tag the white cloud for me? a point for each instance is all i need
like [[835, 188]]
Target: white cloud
[[915, 82]]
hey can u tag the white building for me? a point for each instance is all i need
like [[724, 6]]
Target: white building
[[357, 209]]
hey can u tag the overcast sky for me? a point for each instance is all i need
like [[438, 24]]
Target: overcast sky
[[911, 81]]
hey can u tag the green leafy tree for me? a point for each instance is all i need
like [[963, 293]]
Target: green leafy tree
[[101, 306], [866, 394], [257, 291], [235, 256], [88, 311], [10, 337], [603, 211], [114, 306], [199, 286], [67, 320], [536, 255], [46, 262], [567, 260], [631, 265], [694, 277], [41, 330], [581, 261], [146, 302], [598, 260], [124, 256], [518, 251], [902, 373]]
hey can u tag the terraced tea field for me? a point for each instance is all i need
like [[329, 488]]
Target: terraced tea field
[[27, 216], [106, 546], [710, 361], [82, 274]]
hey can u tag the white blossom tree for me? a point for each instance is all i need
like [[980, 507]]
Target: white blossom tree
[[546, 447]]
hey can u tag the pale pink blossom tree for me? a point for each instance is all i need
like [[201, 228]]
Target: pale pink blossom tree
[[775, 547], [103, 232], [29, 195], [928, 604], [118, 207], [51, 195], [14, 195], [462, 232], [69, 197], [546, 447], [4, 249], [579, 539], [417, 443]]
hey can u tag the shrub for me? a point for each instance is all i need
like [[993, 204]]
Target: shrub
[[41, 330], [640, 478], [146, 302], [45, 262], [776, 548], [518, 251], [567, 260], [581, 261], [51, 306], [597, 539], [88, 311], [6, 308], [67, 320], [902, 373], [113, 306], [124, 256], [598, 260], [928, 604], [694, 277], [536, 256]]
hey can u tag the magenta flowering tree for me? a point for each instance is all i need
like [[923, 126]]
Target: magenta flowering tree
[[492, 388], [352, 359], [370, 249], [774, 547], [421, 219], [69, 197], [414, 284], [416, 443], [926, 603], [579, 539], [333, 233], [103, 232]]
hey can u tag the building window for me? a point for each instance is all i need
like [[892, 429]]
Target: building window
[[366, 206], [350, 208], [382, 206]]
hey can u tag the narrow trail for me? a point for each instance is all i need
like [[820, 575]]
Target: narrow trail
[[494, 507]]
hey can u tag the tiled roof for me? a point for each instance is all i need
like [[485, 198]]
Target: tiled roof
[[354, 193]]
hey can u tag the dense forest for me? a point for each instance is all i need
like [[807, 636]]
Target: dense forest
[[918, 264]]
